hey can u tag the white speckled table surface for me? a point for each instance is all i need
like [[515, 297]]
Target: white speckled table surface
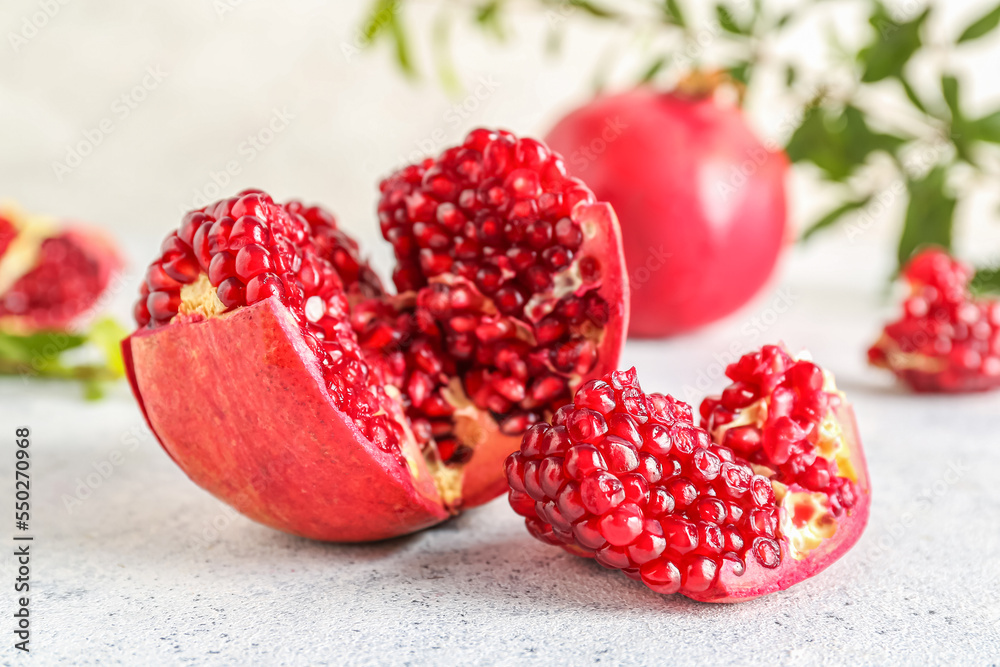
[[134, 564]]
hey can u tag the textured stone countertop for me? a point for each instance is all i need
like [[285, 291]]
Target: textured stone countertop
[[142, 567], [134, 564]]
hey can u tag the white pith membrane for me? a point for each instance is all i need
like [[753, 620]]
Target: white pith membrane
[[472, 426], [897, 359], [805, 519]]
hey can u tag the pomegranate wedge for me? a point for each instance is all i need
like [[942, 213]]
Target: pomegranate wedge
[[946, 340], [770, 491], [279, 374], [50, 277]]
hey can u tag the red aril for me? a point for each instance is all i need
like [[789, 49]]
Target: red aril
[[700, 199], [690, 510], [946, 340], [279, 374], [51, 276]]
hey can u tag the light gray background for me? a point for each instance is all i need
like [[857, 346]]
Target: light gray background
[[142, 567]]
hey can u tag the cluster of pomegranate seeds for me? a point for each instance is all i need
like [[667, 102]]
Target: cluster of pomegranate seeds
[[777, 413], [64, 282], [249, 249], [628, 479], [493, 218], [946, 340]]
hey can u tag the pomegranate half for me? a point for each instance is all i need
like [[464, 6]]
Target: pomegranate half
[[51, 275], [700, 198], [281, 376], [770, 490]]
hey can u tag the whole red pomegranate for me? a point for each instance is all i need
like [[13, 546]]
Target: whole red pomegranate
[[281, 376], [51, 275], [770, 490], [701, 201], [946, 340]]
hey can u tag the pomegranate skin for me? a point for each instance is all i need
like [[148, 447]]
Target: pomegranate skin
[[701, 201], [758, 581], [263, 434]]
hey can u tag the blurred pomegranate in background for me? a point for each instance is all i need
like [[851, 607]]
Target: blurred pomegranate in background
[[700, 199], [52, 273]]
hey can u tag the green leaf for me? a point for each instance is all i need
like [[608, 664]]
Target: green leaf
[[727, 21], [106, 334], [488, 16], [402, 50], [791, 74], [672, 13], [740, 72], [784, 19], [653, 69], [986, 281], [592, 9], [41, 350], [911, 94], [893, 45], [981, 26], [838, 142], [441, 48], [835, 215], [929, 214], [378, 19], [949, 88], [986, 128], [42, 355], [958, 130]]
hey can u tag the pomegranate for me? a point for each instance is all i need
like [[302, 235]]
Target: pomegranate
[[700, 199], [281, 376], [946, 340], [769, 491], [50, 277]]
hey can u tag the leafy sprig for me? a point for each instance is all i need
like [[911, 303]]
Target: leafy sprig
[[92, 357], [926, 143]]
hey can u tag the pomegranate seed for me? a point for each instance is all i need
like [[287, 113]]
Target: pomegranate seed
[[622, 526], [586, 425], [231, 292], [647, 547], [581, 460], [601, 492], [248, 230], [162, 306], [661, 576], [620, 455], [681, 536], [263, 286], [699, 574]]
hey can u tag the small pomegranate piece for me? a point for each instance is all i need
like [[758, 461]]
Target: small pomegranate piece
[[946, 340], [673, 505], [285, 380], [51, 277], [700, 198]]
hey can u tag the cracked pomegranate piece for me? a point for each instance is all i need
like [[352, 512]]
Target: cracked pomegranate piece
[[279, 374], [769, 491], [946, 340], [50, 277]]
